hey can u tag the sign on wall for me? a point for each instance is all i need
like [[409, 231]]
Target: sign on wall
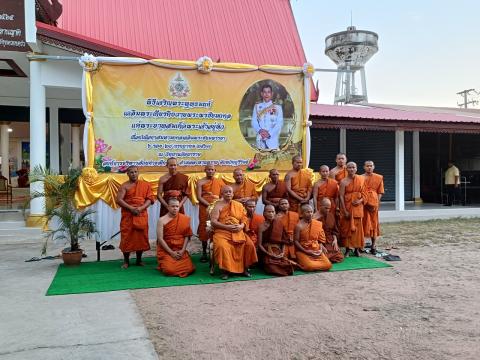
[[12, 26]]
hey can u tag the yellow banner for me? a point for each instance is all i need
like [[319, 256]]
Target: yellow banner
[[144, 114]]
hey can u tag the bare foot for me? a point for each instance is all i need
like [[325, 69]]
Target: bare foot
[[125, 266], [140, 264], [356, 252], [347, 252]]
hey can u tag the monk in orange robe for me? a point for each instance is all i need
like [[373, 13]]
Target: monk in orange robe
[[172, 185], [330, 228], [134, 197], [375, 190], [299, 184], [275, 190], [289, 220], [243, 189], [233, 250], [208, 191], [309, 239], [272, 242], [173, 235], [325, 188], [352, 197], [253, 221], [339, 172]]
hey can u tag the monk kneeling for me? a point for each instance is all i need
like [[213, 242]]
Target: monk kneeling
[[273, 241], [233, 249], [173, 235], [309, 237]]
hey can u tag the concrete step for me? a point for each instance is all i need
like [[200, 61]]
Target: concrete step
[[11, 215]]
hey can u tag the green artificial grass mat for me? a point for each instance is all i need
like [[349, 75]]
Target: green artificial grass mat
[[91, 277]]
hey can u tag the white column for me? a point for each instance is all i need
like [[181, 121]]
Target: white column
[[75, 145], [54, 139], [416, 167], [37, 132], [343, 141], [65, 147], [399, 170], [5, 144]]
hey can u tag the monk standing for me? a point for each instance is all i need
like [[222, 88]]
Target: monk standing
[[254, 221], [325, 188], [330, 228], [309, 237], [375, 190], [339, 172], [234, 251], [299, 184], [243, 189], [352, 197], [273, 242], [275, 190], [208, 191], [173, 235], [289, 220], [172, 185], [134, 197]]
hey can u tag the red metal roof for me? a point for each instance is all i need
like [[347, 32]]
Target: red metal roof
[[246, 31], [384, 113]]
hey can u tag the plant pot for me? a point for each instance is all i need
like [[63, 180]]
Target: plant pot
[[72, 258]]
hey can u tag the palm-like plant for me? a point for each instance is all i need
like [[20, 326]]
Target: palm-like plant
[[71, 224]]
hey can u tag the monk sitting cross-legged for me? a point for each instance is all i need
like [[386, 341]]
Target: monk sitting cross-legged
[[172, 185], [325, 188], [275, 190], [208, 191], [352, 195], [272, 242], [309, 237], [234, 251], [330, 228], [289, 220], [134, 196], [254, 221], [243, 189], [173, 235], [299, 184]]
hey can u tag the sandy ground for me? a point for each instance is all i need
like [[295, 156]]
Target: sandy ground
[[425, 307]]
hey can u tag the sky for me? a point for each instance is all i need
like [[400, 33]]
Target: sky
[[428, 50]]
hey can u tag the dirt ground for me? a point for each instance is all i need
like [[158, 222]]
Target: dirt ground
[[425, 307]]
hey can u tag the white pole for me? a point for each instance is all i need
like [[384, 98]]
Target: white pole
[[343, 141], [4, 140], [399, 170], [54, 139]]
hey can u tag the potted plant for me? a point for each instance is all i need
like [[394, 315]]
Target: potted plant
[[66, 221]]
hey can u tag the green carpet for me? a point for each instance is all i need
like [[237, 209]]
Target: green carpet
[[92, 277]]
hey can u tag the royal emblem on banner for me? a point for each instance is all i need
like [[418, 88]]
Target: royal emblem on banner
[[178, 86]]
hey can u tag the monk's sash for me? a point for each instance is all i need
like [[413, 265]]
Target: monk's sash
[[234, 214], [211, 190], [301, 183], [311, 235], [246, 189], [277, 232], [279, 191], [290, 220], [175, 231]]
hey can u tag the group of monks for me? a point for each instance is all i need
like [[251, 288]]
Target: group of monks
[[303, 225]]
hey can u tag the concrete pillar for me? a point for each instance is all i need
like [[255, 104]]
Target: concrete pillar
[[416, 168], [65, 147], [75, 145], [54, 139], [5, 145], [37, 139], [399, 170], [343, 141]]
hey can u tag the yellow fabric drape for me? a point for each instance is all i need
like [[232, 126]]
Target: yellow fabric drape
[[91, 134], [105, 186]]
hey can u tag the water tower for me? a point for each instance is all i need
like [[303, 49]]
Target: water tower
[[350, 50]]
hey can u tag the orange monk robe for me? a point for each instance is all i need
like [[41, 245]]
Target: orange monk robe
[[301, 184], [234, 252], [246, 189], [330, 228], [175, 187], [351, 230], [276, 240], [341, 174], [289, 221], [252, 227], [174, 233], [210, 192], [328, 189], [134, 229], [374, 187], [311, 238], [279, 191]]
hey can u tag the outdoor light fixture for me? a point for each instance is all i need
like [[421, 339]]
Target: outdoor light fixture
[[10, 129]]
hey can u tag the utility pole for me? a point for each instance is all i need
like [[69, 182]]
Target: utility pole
[[466, 101]]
